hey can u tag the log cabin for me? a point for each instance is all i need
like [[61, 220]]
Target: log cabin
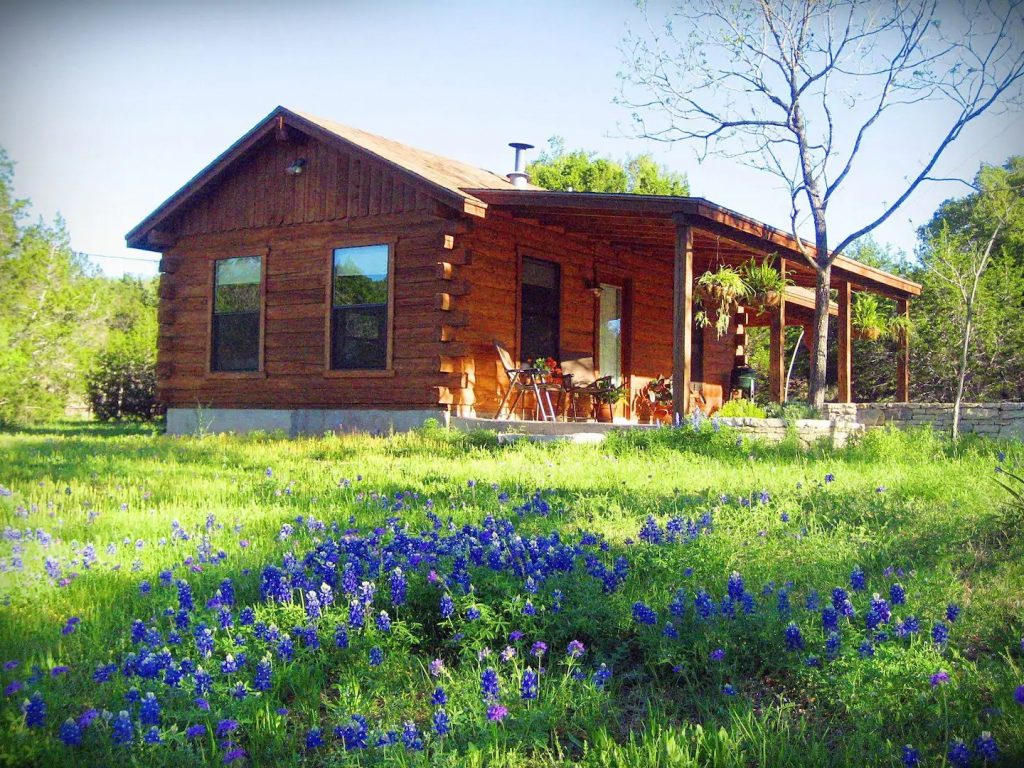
[[317, 277]]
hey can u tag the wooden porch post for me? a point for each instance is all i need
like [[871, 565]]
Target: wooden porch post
[[682, 319], [845, 394], [777, 354], [903, 356]]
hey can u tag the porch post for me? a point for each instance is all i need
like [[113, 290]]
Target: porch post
[[682, 319], [845, 394], [777, 354], [903, 356]]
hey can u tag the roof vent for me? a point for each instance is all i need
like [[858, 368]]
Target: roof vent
[[519, 177]]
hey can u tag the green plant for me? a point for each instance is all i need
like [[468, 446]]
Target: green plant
[[719, 291], [607, 392], [765, 284], [122, 385], [899, 328], [742, 408], [866, 316]]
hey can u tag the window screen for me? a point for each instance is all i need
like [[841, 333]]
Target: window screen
[[359, 308], [236, 314], [540, 300]]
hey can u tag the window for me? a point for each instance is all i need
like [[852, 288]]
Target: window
[[609, 332], [540, 300], [236, 314], [359, 308]]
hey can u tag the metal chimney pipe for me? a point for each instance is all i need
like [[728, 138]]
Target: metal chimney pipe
[[519, 177]]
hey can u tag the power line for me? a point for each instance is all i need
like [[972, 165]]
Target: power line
[[121, 258]]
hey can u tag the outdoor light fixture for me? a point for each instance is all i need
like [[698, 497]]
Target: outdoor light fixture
[[296, 168], [595, 288]]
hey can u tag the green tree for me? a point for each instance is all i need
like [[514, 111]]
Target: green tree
[[582, 171], [47, 308], [970, 339]]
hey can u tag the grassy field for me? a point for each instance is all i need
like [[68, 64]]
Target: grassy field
[[662, 599]]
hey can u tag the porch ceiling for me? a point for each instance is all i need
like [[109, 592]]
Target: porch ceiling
[[647, 223]]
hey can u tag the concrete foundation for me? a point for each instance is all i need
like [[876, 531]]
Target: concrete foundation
[[294, 422]]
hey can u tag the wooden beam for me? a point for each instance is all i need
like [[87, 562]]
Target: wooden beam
[[777, 355], [903, 355], [845, 362], [682, 320]]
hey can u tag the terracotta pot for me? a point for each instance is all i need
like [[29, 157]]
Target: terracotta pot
[[604, 412], [769, 300]]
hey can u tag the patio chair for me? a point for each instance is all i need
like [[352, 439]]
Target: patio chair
[[521, 380]]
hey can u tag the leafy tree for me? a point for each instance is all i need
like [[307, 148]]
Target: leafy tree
[[799, 88], [47, 308], [583, 171], [969, 314]]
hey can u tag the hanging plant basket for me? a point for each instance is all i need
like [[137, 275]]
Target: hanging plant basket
[[867, 334], [767, 300]]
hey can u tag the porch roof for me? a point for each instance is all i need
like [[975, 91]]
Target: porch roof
[[648, 222]]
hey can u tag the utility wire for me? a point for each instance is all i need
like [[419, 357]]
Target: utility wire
[[121, 258]]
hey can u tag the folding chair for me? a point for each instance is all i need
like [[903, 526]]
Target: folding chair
[[522, 380]]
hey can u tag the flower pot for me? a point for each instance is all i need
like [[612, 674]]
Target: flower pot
[[603, 411], [767, 300]]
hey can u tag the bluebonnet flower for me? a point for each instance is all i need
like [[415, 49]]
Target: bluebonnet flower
[[857, 579], [829, 619], [152, 736], [678, 605], [384, 622], [121, 730], [442, 725], [411, 737], [195, 731], [939, 678], [959, 755], [702, 602], [496, 713], [314, 738], [952, 612], [436, 667], [70, 733], [717, 655], [911, 757], [133, 696], [813, 661], [234, 754], [986, 747], [184, 595], [35, 711], [229, 666], [832, 645], [728, 690], [539, 648], [247, 616], [575, 649], [782, 605], [529, 609], [472, 613], [830, 478], [643, 614], [897, 594], [812, 600], [261, 680], [881, 608], [529, 684], [447, 606], [376, 656], [839, 596], [149, 712], [489, 685], [794, 638], [670, 631], [202, 680], [340, 636], [602, 676], [1018, 695], [940, 633], [224, 727], [735, 586], [439, 698], [355, 614]]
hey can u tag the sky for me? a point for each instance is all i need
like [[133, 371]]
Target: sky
[[109, 107]]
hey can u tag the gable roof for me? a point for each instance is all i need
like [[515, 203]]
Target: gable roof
[[447, 179]]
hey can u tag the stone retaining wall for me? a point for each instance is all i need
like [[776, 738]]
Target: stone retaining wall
[[1004, 420], [808, 431]]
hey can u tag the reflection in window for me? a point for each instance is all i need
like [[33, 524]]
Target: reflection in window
[[236, 314], [359, 308], [609, 332]]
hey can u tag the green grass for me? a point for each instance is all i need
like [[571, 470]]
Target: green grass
[[898, 500]]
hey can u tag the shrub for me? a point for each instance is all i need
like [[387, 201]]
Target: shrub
[[122, 386], [747, 409]]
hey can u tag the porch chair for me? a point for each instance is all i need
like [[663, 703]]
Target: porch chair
[[522, 380]]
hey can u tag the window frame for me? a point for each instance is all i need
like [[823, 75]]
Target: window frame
[[389, 366], [211, 295]]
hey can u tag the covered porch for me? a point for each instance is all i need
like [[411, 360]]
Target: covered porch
[[684, 237]]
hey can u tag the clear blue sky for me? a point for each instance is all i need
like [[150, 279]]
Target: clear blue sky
[[109, 107]]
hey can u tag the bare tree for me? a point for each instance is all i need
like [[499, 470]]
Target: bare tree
[[799, 88], [960, 262]]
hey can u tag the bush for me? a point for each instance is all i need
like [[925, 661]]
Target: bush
[[122, 386], [747, 409]]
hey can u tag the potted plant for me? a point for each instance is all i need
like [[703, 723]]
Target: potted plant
[[606, 395], [654, 401], [866, 317], [719, 292], [899, 328], [765, 284]]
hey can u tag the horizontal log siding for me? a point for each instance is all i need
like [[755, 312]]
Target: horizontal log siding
[[492, 312], [296, 308]]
